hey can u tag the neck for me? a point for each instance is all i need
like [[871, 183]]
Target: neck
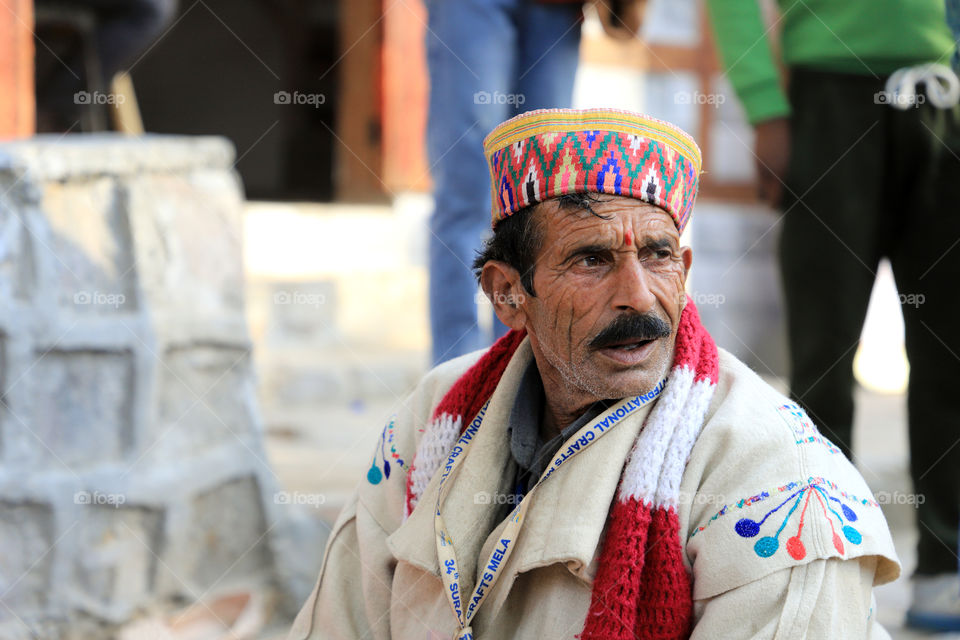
[[564, 400], [555, 419], [560, 410]]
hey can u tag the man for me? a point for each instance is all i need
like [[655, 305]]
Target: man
[[603, 470], [865, 169]]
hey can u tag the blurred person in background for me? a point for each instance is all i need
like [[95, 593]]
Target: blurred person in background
[[488, 60], [953, 19], [862, 155], [124, 29]]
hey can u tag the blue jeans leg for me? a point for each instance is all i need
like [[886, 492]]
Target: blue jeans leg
[[549, 51], [473, 49]]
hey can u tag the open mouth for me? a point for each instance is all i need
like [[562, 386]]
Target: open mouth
[[631, 352], [630, 346]]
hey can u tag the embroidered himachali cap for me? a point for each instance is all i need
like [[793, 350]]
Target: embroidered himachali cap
[[552, 152]]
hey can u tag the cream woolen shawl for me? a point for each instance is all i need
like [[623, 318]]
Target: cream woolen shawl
[[642, 589]]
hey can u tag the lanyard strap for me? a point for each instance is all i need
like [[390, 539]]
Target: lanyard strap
[[449, 568]]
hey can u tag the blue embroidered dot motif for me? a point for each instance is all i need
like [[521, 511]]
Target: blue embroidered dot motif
[[387, 452], [768, 545], [749, 528]]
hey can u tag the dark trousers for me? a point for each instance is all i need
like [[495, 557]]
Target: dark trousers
[[868, 181]]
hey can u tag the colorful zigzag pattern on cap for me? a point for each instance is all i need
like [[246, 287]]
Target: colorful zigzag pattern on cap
[[552, 152]]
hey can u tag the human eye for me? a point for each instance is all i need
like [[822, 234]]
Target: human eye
[[657, 252], [590, 257], [591, 260]]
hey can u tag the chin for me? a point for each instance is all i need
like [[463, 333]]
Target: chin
[[633, 383]]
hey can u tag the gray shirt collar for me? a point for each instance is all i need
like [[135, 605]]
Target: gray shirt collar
[[528, 450]]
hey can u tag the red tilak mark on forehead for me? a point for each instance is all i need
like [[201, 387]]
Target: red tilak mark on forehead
[[629, 239]]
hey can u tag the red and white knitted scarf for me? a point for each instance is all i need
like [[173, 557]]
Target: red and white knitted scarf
[[642, 589]]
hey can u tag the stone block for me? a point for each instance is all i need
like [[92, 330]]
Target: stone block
[[17, 269], [205, 398], [82, 406], [52, 158], [188, 244], [124, 355], [90, 248], [226, 541], [4, 381], [115, 565], [26, 558]]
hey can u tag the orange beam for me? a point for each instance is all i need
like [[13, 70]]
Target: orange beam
[[359, 149], [406, 91], [17, 104]]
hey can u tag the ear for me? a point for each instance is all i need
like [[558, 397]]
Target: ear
[[686, 255], [501, 283]]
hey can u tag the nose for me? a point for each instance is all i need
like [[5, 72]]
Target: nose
[[631, 287]]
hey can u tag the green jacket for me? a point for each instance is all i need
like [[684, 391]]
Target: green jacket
[[871, 37]]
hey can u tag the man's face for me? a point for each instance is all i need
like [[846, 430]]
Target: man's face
[[609, 293]]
